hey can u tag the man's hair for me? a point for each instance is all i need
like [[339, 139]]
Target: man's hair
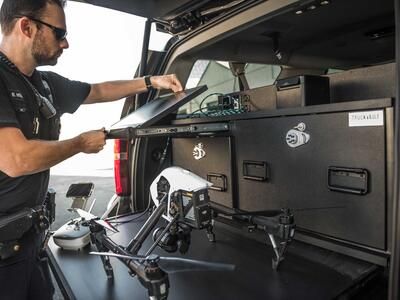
[[13, 8]]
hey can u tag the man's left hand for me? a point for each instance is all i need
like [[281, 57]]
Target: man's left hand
[[166, 82]]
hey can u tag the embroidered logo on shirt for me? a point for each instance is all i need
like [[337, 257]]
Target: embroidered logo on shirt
[[16, 94], [18, 101]]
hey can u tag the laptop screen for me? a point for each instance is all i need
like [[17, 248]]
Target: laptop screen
[[153, 111]]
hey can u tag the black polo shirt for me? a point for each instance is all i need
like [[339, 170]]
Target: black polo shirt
[[19, 108]]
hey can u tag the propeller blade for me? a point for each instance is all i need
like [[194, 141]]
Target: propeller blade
[[106, 225], [132, 257], [275, 212], [316, 208], [265, 213], [88, 216], [84, 214], [177, 264]]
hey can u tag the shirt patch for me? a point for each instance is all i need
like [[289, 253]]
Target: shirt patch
[[16, 95]]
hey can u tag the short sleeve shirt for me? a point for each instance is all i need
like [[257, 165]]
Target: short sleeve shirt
[[19, 108]]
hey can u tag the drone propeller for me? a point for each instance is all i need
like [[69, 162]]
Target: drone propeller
[[265, 213], [174, 264], [89, 217], [269, 213]]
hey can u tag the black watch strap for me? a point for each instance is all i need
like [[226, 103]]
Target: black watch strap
[[147, 81]]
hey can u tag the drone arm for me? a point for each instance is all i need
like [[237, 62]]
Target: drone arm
[[136, 243], [149, 274], [97, 237], [281, 226]]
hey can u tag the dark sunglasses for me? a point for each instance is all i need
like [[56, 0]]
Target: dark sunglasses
[[59, 33]]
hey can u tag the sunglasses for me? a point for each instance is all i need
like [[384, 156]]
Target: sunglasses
[[59, 33]]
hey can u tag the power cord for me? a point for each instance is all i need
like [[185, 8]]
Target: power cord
[[150, 202]]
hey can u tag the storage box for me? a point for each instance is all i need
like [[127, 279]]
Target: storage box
[[302, 90]]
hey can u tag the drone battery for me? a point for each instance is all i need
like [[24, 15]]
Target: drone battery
[[195, 208]]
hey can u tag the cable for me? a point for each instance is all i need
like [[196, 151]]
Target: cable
[[135, 217], [206, 97], [200, 109], [149, 204]]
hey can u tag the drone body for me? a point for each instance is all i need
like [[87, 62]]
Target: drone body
[[187, 196], [181, 198]]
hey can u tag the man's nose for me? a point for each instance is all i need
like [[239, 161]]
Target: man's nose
[[64, 44]]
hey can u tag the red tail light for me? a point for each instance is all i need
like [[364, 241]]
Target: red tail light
[[121, 168]]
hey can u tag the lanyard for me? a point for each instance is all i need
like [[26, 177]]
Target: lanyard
[[45, 105]]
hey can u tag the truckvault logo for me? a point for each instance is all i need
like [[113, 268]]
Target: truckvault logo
[[296, 137], [198, 151]]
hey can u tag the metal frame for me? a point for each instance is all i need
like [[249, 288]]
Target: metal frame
[[394, 275]]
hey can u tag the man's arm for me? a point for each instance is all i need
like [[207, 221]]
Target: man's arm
[[114, 90], [20, 156]]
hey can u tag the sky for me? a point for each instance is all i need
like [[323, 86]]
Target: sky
[[104, 45]]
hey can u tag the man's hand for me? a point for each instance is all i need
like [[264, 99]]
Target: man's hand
[[166, 82], [92, 141]]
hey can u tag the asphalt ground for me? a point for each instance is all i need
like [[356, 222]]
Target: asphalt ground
[[103, 191]]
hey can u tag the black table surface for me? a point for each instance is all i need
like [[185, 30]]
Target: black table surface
[[83, 277]]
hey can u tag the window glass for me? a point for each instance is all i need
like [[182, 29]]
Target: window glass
[[333, 71], [158, 39], [258, 75], [220, 80]]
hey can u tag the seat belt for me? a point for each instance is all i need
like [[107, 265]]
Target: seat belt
[[238, 70]]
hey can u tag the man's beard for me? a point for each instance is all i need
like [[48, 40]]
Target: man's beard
[[42, 54]]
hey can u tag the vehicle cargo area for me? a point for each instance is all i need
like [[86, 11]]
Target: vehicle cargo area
[[315, 138]]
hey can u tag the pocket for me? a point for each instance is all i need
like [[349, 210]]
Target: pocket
[[12, 260], [19, 104]]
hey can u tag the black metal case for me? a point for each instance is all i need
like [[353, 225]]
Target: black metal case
[[210, 158], [340, 169]]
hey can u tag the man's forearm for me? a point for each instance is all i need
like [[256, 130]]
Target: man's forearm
[[38, 155], [114, 90], [20, 156]]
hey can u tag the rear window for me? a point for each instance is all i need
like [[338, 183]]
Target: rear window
[[220, 80]]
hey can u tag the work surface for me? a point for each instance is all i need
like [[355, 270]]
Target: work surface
[[83, 277]]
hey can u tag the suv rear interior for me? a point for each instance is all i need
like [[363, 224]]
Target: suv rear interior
[[307, 91]]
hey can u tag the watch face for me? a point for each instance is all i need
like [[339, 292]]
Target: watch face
[[148, 82]]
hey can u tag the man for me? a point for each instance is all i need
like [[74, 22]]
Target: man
[[31, 103]]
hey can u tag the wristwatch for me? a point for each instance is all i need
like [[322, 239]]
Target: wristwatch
[[147, 81]]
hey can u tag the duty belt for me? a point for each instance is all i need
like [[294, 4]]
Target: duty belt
[[14, 226]]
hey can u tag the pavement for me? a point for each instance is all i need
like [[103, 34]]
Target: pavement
[[103, 191]]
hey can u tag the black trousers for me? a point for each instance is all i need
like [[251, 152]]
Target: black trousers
[[26, 275]]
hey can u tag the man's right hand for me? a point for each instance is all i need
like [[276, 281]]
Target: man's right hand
[[92, 141]]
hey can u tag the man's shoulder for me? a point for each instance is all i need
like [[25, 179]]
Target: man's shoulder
[[50, 74]]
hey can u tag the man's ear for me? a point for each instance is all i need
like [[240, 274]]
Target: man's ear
[[26, 27]]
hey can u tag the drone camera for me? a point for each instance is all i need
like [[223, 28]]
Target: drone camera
[[194, 208]]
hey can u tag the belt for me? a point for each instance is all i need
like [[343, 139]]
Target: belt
[[14, 226]]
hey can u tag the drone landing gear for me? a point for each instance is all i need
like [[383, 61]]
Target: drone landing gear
[[279, 251], [210, 233]]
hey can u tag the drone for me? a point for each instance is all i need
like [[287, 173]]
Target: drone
[[181, 199]]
